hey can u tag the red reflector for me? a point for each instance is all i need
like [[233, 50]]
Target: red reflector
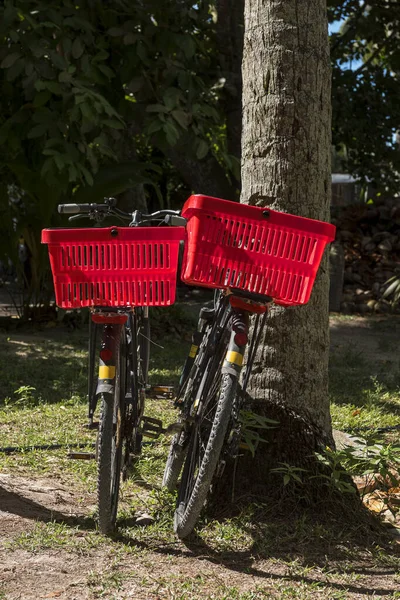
[[105, 354], [241, 339]]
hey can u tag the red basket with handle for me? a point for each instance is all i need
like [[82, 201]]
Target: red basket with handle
[[251, 248], [114, 266]]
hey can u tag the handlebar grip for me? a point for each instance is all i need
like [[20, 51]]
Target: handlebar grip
[[73, 209], [175, 220]]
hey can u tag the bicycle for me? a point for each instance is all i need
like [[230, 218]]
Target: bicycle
[[252, 257], [118, 272]]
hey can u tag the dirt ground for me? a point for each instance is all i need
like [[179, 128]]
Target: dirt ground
[[156, 571]]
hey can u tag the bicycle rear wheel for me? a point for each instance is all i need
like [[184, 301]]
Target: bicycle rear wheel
[[203, 455], [110, 442], [212, 396], [180, 441]]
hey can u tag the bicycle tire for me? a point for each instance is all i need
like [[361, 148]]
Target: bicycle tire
[[109, 447], [179, 443], [174, 464], [194, 487]]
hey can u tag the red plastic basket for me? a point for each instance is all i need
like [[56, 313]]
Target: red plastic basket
[[114, 266], [236, 245]]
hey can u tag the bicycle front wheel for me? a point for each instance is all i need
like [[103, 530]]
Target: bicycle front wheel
[[204, 451], [109, 445]]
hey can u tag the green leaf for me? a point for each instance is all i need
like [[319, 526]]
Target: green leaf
[[202, 149], [188, 46], [156, 108], [130, 38], [113, 179], [115, 32], [41, 98], [154, 126], [286, 479], [109, 73], [87, 112], [113, 123], [9, 60], [58, 60], [59, 161], [87, 175], [65, 77], [47, 166], [37, 131], [142, 53], [77, 48], [54, 87], [171, 97], [171, 132], [72, 173], [16, 70]]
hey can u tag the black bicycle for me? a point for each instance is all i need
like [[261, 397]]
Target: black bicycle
[[210, 400], [251, 256], [119, 272]]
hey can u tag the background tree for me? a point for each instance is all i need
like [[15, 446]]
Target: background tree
[[365, 54], [286, 166], [103, 98], [91, 95]]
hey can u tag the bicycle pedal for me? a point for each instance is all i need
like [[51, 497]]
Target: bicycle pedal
[[81, 455], [174, 428], [160, 391], [151, 427]]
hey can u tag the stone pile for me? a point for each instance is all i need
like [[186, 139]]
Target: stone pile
[[370, 237]]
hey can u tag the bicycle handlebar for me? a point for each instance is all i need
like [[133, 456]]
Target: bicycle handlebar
[[73, 209], [99, 211]]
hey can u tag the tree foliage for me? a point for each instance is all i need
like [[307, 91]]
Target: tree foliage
[[365, 54], [92, 91], [75, 76], [97, 97]]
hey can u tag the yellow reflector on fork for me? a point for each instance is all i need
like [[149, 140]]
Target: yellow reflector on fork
[[234, 357], [106, 372]]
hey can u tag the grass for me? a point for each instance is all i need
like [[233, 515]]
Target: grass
[[44, 402], [53, 535], [365, 393]]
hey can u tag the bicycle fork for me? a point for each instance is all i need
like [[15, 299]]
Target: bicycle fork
[[108, 356], [237, 344]]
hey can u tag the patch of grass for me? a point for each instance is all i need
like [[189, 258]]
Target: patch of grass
[[52, 535], [103, 583], [364, 393], [313, 554], [55, 368]]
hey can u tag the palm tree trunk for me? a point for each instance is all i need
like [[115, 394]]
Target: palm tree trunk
[[286, 165]]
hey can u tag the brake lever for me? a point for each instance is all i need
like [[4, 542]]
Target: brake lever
[[75, 217]]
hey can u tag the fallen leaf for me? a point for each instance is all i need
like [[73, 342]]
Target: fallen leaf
[[375, 502], [355, 413], [53, 594], [365, 483]]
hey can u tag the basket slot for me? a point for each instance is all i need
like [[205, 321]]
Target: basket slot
[[313, 248], [161, 250], [214, 230]]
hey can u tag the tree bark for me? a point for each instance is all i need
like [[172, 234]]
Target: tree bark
[[286, 165]]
